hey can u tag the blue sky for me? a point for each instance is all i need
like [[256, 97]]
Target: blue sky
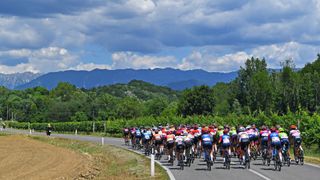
[[52, 35]]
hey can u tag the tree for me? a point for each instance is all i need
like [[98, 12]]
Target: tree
[[254, 85], [154, 107], [129, 107], [197, 101]]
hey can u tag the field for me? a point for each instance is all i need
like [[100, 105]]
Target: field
[[24, 158], [35, 157]]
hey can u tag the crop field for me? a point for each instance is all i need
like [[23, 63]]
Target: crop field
[[24, 158]]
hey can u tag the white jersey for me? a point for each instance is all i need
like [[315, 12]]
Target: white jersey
[[295, 133], [243, 135]]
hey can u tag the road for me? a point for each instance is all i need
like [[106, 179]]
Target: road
[[198, 169]]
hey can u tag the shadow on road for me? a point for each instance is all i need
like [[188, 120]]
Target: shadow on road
[[201, 169]]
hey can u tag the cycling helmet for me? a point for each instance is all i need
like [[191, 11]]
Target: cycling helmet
[[293, 126], [178, 133], [281, 130], [225, 131], [205, 131], [242, 129], [220, 127], [273, 129], [156, 131], [233, 128], [248, 127], [264, 127]]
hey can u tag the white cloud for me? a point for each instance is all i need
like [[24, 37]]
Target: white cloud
[[90, 66], [206, 61], [40, 60], [123, 60], [276, 53]]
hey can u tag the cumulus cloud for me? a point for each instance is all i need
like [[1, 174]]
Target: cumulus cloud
[[90, 66], [206, 61], [274, 55], [122, 60], [135, 32], [277, 53], [40, 60]]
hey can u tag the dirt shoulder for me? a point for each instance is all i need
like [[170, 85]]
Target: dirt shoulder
[[110, 162], [25, 158]]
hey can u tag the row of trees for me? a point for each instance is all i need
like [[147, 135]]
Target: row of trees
[[256, 89], [68, 103]]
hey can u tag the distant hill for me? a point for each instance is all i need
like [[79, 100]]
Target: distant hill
[[173, 78], [139, 89], [13, 80]]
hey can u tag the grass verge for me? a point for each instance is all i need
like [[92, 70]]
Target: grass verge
[[110, 162]]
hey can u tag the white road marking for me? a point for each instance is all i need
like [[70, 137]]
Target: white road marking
[[259, 174]]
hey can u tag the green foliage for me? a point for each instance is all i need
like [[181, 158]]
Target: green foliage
[[197, 101]]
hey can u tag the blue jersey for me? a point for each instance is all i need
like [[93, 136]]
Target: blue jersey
[[146, 136], [275, 139], [138, 133], [206, 139], [225, 139]]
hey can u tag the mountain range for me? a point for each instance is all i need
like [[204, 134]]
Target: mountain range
[[13, 80], [173, 78]]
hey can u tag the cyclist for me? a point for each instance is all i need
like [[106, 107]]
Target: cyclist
[[207, 145], [170, 145], [218, 136], [188, 142], [163, 134], [126, 135], [225, 141], [197, 136], [180, 146], [275, 142], [284, 139], [157, 141], [243, 143], [264, 139], [133, 136], [233, 134], [146, 137], [138, 136], [295, 137]]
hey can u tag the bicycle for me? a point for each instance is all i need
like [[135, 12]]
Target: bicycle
[[157, 152], [126, 140], [299, 155], [276, 159], [247, 158], [227, 159], [181, 163], [285, 154], [265, 155], [188, 155], [254, 151], [207, 158]]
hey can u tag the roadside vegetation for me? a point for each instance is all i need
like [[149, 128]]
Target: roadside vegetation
[[110, 162]]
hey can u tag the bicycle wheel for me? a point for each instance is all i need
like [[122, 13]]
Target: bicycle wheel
[[228, 162], [279, 165], [208, 165]]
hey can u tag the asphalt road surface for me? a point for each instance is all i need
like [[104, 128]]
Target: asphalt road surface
[[198, 168]]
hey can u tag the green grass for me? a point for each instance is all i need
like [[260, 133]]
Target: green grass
[[111, 162]]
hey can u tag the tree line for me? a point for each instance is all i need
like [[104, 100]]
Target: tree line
[[256, 89]]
